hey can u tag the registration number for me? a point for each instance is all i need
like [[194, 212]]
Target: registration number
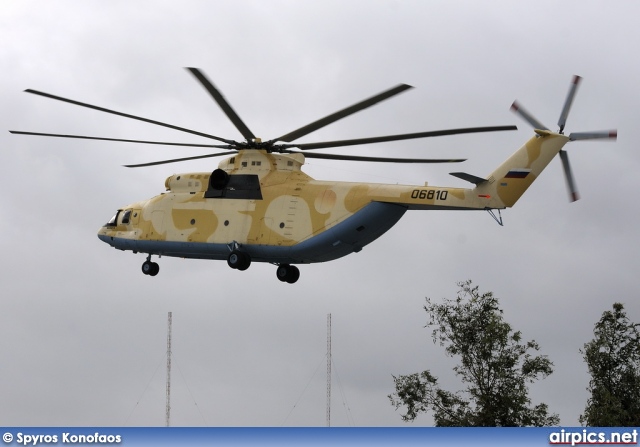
[[429, 194]]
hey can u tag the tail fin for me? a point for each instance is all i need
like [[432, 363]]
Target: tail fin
[[512, 178]]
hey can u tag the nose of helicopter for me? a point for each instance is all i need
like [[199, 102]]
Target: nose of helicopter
[[106, 232], [104, 236]]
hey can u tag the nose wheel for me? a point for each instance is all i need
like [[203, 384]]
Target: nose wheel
[[288, 273], [150, 268]]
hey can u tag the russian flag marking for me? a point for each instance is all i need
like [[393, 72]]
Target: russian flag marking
[[517, 173]]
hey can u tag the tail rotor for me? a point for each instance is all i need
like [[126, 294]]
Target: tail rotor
[[564, 157]]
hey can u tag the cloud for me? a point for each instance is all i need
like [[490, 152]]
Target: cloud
[[85, 331]]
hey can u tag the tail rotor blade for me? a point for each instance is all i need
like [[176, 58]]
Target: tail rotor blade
[[571, 186], [517, 108], [610, 134], [567, 104]]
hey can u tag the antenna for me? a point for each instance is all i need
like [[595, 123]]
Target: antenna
[[168, 410], [328, 370]]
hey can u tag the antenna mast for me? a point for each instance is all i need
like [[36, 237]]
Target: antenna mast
[[168, 410], [328, 370]]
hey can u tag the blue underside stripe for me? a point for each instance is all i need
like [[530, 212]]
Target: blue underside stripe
[[347, 237]]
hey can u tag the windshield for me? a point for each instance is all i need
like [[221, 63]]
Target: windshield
[[113, 220], [126, 216]]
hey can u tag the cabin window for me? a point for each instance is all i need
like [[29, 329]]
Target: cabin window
[[244, 164]]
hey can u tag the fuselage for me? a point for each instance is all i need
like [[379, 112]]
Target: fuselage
[[271, 209], [264, 205]]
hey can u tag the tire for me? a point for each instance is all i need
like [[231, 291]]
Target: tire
[[234, 259], [150, 268], [294, 274], [288, 273], [239, 260], [282, 271], [147, 267], [246, 262]]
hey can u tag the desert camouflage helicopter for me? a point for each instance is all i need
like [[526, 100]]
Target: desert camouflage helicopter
[[258, 205]]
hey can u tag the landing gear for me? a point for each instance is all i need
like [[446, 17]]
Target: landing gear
[[150, 268], [288, 273], [239, 260]]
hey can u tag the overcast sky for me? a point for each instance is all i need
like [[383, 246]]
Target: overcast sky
[[84, 331]]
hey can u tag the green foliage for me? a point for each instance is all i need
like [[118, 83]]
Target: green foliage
[[613, 359], [495, 366]]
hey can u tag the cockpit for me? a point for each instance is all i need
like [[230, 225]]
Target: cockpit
[[121, 217]]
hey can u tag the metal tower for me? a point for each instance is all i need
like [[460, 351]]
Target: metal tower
[[168, 408], [328, 370]]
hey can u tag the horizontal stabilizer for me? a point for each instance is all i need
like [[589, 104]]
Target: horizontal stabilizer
[[468, 177]]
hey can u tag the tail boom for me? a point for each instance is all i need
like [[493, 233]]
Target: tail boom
[[501, 189]]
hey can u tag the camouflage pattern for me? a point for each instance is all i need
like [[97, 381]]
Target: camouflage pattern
[[287, 217]]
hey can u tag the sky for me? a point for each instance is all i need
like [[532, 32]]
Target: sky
[[84, 331]]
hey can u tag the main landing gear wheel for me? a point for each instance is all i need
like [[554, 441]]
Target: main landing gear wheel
[[150, 268], [239, 260], [288, 273]]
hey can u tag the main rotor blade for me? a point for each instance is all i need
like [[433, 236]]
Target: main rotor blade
[[575, 82], [291, 136], [84, 137], [126, 115], [517, 108], [568, 175], [377, 159], [224, 105], [612, 134], [175, 160], [406, 136]]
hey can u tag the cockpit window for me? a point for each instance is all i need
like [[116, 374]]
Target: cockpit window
[[126, 216], [113, 221]]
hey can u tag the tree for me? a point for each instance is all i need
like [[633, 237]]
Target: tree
[[495, 365], [613, 359]]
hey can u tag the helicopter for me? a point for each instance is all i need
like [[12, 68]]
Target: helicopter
[[258, 205]]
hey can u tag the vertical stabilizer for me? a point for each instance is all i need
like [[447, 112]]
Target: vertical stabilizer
[[511, 179]]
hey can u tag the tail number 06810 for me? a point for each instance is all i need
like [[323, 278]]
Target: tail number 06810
[[429, 194]]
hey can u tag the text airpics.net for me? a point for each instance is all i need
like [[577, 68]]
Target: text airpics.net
[[586, 437]]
